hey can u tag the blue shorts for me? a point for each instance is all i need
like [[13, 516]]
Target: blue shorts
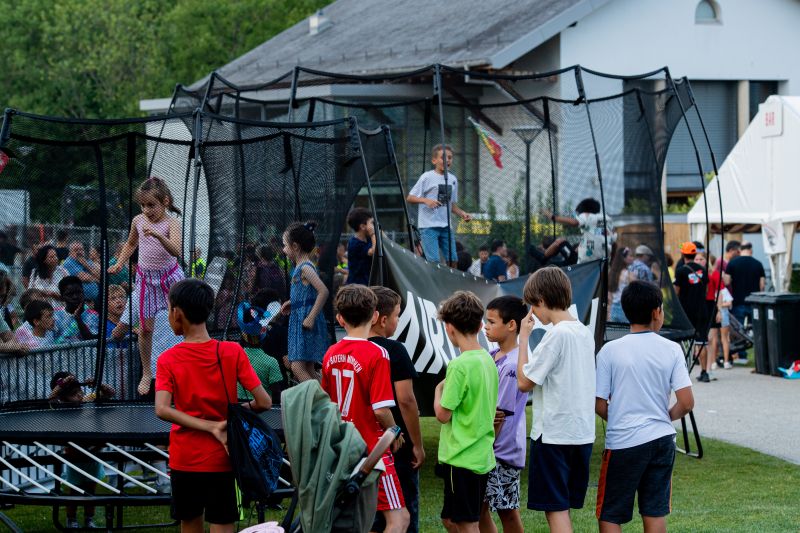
[[558, 476], [434, 239], [725, 315], [646, 469]]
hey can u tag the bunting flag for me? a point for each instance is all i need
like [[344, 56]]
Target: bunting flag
[[490, 143]]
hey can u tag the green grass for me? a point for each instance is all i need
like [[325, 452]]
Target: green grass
[[732, 489]]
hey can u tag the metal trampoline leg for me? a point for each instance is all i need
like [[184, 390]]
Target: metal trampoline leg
[[687, 449], [10, 524]]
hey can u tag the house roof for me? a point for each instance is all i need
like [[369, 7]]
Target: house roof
[[382, 36]]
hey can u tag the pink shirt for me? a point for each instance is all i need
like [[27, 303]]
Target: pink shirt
[[152, 254]]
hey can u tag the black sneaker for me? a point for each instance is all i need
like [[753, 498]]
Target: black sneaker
[[703, 377]]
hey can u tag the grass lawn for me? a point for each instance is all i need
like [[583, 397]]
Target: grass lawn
[[731, 489]]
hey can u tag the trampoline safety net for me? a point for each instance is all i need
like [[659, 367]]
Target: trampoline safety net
[[69, 195]]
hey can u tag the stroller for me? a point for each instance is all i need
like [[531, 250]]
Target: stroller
[[336, 486], [741, 338]]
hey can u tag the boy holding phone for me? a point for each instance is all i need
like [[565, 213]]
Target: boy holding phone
[[503, 318]]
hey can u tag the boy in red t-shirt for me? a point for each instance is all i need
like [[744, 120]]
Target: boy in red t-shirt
[[356, 374], [190, 377]]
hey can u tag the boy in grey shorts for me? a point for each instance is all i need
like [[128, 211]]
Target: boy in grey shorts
[[635, 376]]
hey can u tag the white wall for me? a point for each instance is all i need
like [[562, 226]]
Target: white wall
[[757, 40]]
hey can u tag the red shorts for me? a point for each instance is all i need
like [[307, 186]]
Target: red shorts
[[390, 494]]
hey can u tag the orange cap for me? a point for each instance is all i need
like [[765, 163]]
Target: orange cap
[[688, 248]]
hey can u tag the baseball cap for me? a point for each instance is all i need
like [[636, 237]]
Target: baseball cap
[[688, 248], [643, 249]]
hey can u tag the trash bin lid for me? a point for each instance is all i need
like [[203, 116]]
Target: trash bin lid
[[773, 298], [759, 298]]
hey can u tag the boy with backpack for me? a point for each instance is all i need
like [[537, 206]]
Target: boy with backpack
[[465, 403], [192, 394], [561, 375], [639, 372], [356, 375]]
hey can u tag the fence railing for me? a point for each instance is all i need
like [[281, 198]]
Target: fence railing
[[27, 377]]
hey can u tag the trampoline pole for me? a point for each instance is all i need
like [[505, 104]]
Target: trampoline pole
[[393, 155], [437, 91]]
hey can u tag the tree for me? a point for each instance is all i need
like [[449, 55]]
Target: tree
[[98, 58]]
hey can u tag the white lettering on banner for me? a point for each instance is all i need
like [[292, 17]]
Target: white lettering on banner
[[437, 350]]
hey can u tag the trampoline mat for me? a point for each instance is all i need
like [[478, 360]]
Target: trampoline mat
[[616, 331], [85, 422], [89, 422]]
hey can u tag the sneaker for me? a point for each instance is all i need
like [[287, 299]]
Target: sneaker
[[715, 366], [740, 361], [703, 377], [90, 523], [728, 366], [72, 523], [711, 376], [163, 488]]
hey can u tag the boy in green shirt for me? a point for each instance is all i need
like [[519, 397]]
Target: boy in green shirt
[[465, 403]]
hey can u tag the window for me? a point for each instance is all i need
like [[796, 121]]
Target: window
[[707, 11]]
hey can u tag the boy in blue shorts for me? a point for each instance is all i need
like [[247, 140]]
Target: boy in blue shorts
[[435, 196], [561, 375], [503, 317], [191, 393], [635, 377], [465, 403]]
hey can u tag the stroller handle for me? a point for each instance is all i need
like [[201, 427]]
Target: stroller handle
[[353, 486]]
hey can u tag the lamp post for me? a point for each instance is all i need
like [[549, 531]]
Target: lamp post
[[527, 134]]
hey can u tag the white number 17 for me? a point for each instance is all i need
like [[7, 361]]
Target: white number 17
[[344, 404]]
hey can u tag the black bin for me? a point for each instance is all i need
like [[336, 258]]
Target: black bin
[[759, 300], [783, 318]]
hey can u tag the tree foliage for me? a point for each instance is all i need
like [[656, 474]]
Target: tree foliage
[[98, 58]]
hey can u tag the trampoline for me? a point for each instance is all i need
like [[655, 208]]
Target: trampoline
[[126, 439]]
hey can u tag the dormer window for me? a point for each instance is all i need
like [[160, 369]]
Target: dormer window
[[707, 12]]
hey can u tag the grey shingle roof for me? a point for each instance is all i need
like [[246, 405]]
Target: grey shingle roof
[[383, 36]]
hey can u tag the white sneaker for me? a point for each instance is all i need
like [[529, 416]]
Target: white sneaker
[[728, 365], [712, 377], [72, 524], [714, 366]]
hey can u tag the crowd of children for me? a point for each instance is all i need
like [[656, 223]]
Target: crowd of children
[[481, 403]]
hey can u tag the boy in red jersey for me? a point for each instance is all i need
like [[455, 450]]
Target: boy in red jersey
[[190, 376], [356, 374]]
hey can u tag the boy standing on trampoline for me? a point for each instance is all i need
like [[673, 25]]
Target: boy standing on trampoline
[[465, 403], [190, 376], [356, 374], [639, 372], [435, 196]]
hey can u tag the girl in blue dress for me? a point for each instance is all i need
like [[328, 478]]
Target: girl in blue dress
[[308, 332]]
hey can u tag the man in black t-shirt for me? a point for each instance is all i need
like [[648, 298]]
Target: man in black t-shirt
[[411, 455], [691, 282], [745, 275]]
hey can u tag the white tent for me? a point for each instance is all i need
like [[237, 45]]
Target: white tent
[[760, 184]]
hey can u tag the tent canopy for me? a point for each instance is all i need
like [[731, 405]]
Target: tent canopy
[[759, 179]]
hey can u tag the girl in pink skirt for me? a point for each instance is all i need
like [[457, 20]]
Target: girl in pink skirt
[[158, 237]]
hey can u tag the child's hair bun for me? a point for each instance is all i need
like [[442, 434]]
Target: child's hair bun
[[310, 226]]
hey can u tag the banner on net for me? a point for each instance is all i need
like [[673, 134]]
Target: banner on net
[[423, 286]]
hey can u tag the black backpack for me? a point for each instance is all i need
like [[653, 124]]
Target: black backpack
[[255, 450]]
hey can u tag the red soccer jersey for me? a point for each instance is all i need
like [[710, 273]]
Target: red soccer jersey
[[191, 373], [356, 374]]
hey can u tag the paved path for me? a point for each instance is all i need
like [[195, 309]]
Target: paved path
[[752, 410]]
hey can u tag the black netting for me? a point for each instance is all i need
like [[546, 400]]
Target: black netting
[[72, 185], [565, 136]]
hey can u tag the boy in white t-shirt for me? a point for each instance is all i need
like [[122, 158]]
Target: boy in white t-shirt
[[635, 376], [561, 375], [432, 191]]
